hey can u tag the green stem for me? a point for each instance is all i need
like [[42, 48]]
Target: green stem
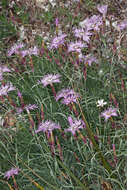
[[91, 136], [83, 186]]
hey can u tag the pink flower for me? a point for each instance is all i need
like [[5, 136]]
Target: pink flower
[[82, 34], [4, 89], [15, 49], [102, 9], [49, 79], [122, 25], [57, 41], [109, 113], [89, 59], [92, 23], [2, 70], [10, 173], [30, 51], [76, 47], [75, 125], [30, 107], [47, 126], [68, 95]]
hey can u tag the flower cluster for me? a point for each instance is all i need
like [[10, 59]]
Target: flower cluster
[[16, 49]]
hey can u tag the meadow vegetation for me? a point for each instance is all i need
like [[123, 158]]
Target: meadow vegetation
[[63, 95]]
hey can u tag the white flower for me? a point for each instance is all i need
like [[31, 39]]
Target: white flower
[[101, 103]]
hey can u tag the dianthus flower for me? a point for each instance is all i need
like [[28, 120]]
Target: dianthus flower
[[2, 70], [30, 51], [15, 49], [4, 89], [89, 59], [75, 125], [92, 23], [57, 41], [49, 79], [109, 113], [68, 95], [122, 25], [30, 107], [82, 34], [47, 126], [10, 173], [76, 47], [102, 9]]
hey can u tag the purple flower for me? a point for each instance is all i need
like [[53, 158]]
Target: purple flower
[[31, 107], [15, 49], [47, 126], [9, 173], [56, 21], [109, 113], [89, 59], [68, 95], [4, 89], [75, 125], [76, 47], [57, 41], [2, 70], [33, 51], [49, 79], [122, 25], [102, 9], [30, 51], [82, 34], [92, 23]]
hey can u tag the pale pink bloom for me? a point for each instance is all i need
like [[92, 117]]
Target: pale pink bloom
[[57, 41], [49, 79], [92, 23], [89, 59], [75, 125], [82, 34], [4, 89], [102, 9], [30, 107], [30, 51], [2, 70], [10, 173], [63, 93], [109, 113], [122, 25], [47, 126], [33, 51], [76, 46], [68, 95], [15, 49]]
